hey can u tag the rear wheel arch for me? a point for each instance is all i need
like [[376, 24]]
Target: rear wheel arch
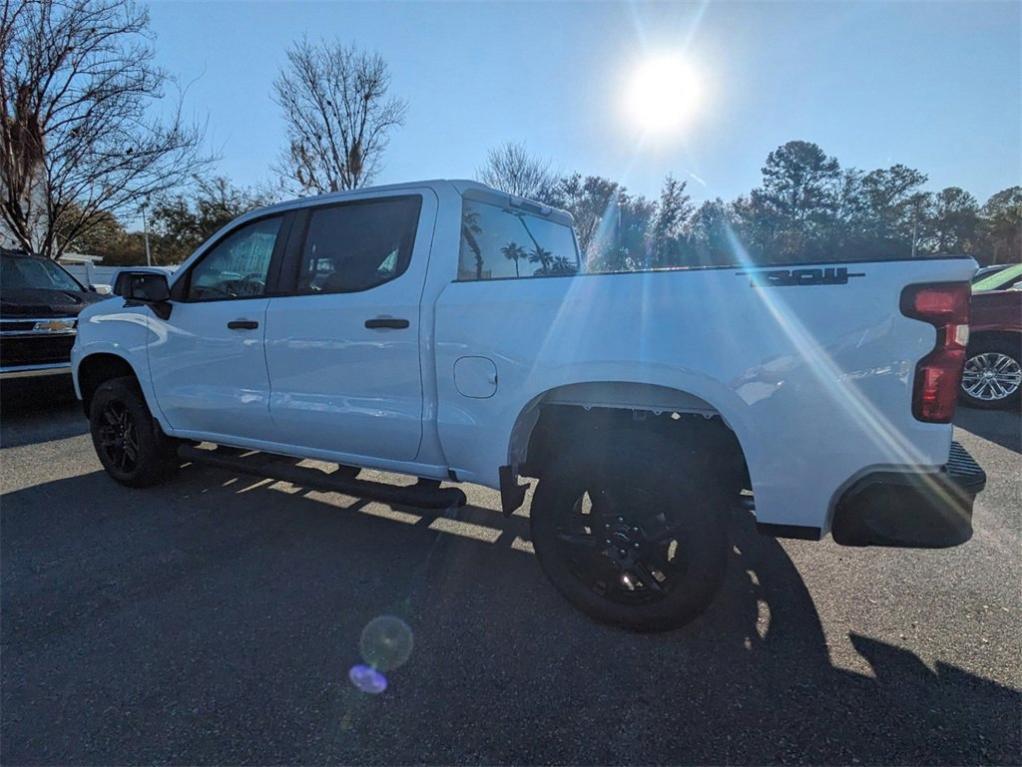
[[582, 410]]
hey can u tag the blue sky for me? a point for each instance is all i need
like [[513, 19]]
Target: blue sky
[[934, 85]]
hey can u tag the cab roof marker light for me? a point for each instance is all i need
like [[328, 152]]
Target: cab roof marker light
[[532, 207]]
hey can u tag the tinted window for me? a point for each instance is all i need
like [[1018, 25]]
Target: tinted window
[[358, 246], [18, 272], [498, 242], [238, 265]]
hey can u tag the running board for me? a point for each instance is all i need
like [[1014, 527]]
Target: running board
[[425, 493]]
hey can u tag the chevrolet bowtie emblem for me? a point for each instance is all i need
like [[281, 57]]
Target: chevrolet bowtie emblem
[[54, 326]]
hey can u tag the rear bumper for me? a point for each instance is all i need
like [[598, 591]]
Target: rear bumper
[[35, 371], [921, 510]]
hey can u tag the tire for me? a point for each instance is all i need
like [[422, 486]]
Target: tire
[[664, 509], [128, 440], [993, 373]]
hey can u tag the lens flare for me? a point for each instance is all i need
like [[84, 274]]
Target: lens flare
[[367, 679], [386, 643]]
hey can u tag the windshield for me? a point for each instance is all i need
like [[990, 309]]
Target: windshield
[[1002, 280], [19, 273]]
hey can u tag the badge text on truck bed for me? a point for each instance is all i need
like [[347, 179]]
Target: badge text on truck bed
[[783, 278]]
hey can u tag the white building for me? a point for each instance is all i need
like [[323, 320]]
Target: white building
[[36, 204]]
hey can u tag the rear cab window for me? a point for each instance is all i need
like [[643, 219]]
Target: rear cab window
[[499, 242]]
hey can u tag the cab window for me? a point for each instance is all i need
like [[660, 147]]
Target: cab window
[[237, 266], [359, 245], [502, 243]]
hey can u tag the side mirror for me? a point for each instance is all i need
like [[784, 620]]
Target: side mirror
[[150, 288], [121, 284]]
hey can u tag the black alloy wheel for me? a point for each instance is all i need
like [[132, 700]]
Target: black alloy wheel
[[632, 528], [118, 436], [128, 440], [627, 552]]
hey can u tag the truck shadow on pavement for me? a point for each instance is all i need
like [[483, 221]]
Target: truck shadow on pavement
[[39, 411], [214, 620]]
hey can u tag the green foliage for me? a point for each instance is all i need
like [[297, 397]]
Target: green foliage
[[592, 201], [669, 219], [612, 226], [180, 223], [807, 209], [953, 221], [1001, 226], [109, 239]]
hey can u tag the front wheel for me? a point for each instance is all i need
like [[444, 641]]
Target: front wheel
[[992, 377], [128, 440], [633, 532]]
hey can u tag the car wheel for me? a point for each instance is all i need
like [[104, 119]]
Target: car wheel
[[128, 440], [992, 377], [633, 532]]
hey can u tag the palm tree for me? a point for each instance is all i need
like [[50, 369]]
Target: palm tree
[[563, 265], [469, 229], [543, 257], [514, 252]]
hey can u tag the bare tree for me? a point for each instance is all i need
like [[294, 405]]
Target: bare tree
[[512, 169], [338, 115], [76, 144]]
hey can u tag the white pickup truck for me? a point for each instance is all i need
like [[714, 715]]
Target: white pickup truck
[[451, 332]]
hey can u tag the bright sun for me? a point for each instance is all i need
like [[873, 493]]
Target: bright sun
[[662, 95]]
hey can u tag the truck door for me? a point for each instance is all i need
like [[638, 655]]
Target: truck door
[[342, 341], [207, 359]]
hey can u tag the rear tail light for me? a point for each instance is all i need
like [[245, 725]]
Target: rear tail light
[[944, 305]]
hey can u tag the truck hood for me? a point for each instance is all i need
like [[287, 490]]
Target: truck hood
[[42, 302]]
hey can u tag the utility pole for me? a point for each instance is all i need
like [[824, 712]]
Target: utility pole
[[915, 224], [145, 231]]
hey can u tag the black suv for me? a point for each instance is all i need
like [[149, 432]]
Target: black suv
[[39, 306]]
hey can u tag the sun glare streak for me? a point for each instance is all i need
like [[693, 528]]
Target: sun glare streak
[[603, 238], [834, 381], [640, 32], [693, 27]]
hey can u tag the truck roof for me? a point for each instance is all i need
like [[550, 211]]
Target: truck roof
[[464, 187]]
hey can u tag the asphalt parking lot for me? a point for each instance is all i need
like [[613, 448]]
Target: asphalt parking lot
[[214, 620]]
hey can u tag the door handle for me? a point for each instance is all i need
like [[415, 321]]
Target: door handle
[[242, 325], [387, 322]]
